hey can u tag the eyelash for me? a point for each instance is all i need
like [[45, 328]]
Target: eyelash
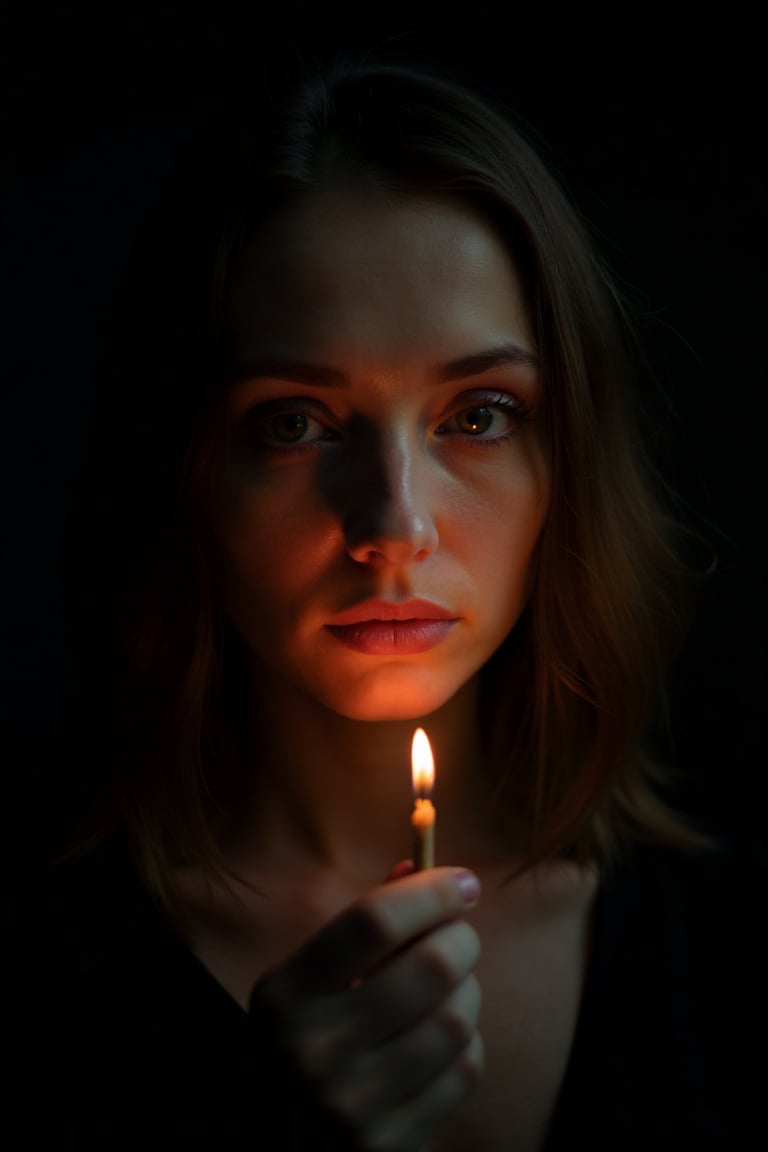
[[502, 401], [258, 418]]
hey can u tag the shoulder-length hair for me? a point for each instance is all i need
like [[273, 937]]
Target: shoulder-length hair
[[571, 698]]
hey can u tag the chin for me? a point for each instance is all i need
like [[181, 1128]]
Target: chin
[[396, 697]]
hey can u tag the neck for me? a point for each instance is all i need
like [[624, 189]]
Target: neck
[[336, 792]]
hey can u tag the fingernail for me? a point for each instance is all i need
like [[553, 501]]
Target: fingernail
[[469, 886]]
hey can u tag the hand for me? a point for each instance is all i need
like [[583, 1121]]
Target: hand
[[374, 1021]]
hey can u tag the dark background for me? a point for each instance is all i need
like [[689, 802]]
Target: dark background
[[654, 115]]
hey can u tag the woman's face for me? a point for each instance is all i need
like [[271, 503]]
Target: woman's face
[[387, 479]]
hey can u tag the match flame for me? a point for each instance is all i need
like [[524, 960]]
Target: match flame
[[422, 764]]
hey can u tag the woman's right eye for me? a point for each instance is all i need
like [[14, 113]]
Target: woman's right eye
[[290, 428], [284, 427]]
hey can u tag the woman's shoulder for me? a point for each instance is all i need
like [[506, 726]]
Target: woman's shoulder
[[120, 1031], [674, 1005], [84, 922], [88, 887], [710, 897], [689, 926]]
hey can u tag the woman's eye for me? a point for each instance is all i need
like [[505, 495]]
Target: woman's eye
[[489, 419], [289, 427], [285, 428], [475, 421]]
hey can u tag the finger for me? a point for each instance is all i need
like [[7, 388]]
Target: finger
[[403, 868], [411, 1126], [415, 984], [392, 1073], [329, 1033], [385, 920]]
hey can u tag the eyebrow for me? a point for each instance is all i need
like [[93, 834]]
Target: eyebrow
[[479, 362], [324, 375]]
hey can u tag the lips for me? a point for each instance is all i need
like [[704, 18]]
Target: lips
[[384, 628], [389, 610]]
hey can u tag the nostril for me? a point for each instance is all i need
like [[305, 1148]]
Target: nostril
[[409, 544], [367, 556]]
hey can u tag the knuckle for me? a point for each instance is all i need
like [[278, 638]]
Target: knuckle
[[459, 1013], [470, 942], [456, 1026], [312, 1053], [319, 1048], [437, 967], [356, 1098], [375, 924], [451, 952], [472, 1060], [473, 993]]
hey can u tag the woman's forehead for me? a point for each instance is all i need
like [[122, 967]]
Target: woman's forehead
[[367, 270]]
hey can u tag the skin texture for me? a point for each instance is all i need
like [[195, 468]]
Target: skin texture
[[383, 495], [385, 442]]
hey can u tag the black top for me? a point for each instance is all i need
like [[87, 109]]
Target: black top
[[127, 1041]]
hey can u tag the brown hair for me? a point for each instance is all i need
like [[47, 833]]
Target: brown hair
[[586, 664]]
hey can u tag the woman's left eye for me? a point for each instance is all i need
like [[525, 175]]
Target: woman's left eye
[[490, 418]]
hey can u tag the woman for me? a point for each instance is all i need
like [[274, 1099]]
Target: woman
[[368, 463]]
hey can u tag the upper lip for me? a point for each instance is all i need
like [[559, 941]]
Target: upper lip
[[389, 610]]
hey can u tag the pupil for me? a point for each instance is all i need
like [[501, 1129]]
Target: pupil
[[291, 427], [477, 420]]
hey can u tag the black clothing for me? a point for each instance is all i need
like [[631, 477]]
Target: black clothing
[[129, 1042]]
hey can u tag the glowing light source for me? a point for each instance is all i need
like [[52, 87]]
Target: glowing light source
[[423, 816]]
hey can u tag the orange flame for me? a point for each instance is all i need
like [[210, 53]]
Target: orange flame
[[422, 764]]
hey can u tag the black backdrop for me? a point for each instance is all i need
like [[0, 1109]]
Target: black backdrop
[[655, 115]]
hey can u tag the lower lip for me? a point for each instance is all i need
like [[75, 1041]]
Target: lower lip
[[393, 637]]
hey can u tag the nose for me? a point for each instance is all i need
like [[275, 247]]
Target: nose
[[390, 518]]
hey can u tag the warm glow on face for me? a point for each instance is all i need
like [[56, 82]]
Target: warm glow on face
[[380, 486], [422, 764]]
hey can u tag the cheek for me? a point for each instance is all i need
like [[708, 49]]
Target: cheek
[[255, 565], [503, 559], [268, 543], [497, 527], [255, 551]]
